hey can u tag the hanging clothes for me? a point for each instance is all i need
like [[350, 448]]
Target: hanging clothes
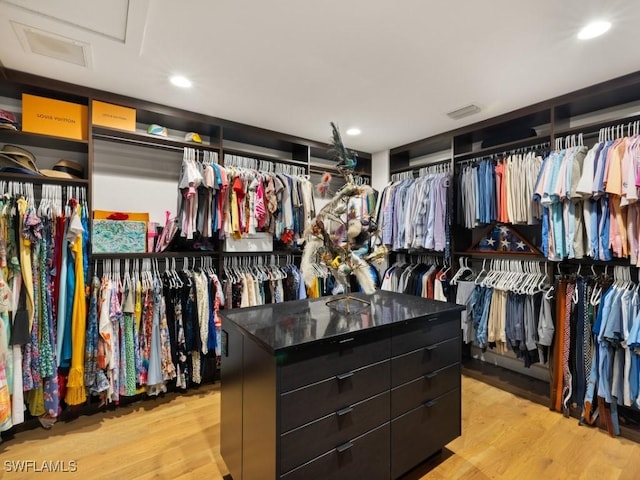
[[596, 349], [589, 205], [412, 213], [499, 190], [246, 196], [508, 310], [425, 279], [36, 345], [262, 284]]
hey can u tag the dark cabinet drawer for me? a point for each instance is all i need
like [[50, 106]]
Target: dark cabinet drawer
[[309, 441], [304, 405], [366, 456], [434, 384], [421, 432], [410, 336], [418, 363], [345, 355]]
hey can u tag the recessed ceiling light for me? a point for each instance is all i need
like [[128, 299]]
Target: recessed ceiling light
[[354, 131], [180, 81], [593, 30]]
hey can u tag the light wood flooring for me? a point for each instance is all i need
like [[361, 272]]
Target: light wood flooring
[[504, 437]]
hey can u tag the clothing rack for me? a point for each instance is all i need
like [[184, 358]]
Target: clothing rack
[[205, 157], [135, 141], [407, 175], [570, 141], [514, 151], [442, 166], [435, 168], [617, 131], [614, 132], [52, 198], [427, 258], [518, 276], [262, 165]]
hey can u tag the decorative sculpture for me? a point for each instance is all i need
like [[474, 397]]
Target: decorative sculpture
[[339, 237]]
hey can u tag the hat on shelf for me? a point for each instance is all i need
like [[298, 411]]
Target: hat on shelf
[[18, 160], [192, 137], [64, 169], [155, 129], [8, 120]]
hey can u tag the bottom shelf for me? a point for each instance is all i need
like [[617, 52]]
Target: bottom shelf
[[526, 387], [210, 375], [538, 391]]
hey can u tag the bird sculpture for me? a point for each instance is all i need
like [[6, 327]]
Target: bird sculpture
[[337, 237]]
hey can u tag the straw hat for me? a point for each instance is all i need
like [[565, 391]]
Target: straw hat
[[18, 159], [64, 169]]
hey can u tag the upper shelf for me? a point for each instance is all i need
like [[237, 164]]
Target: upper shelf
[[504, 147], [169, 254], [261, 156], [594, 127], [16, 137], [146, 140], [42, 179]]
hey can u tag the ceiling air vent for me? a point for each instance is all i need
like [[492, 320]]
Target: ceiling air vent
[[463, 112], [51, 45]]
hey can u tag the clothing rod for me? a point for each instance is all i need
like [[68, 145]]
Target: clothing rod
[[415, 168], [138, 142], [282, 161], [492, 156]]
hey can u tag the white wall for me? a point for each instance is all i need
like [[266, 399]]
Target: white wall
[[135, 179], [380, 170]]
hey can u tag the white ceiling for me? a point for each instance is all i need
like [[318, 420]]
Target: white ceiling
[[391, 68]]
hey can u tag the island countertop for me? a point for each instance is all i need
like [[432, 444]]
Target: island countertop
[[290, 325]]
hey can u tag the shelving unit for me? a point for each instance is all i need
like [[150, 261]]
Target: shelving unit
[[43, 141], [146, 140], [609, 104], [191, 254], [42, 179], [162, 157], [218, 135]]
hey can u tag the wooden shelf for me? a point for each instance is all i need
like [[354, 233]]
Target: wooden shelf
[[269, 158], [280, 253], [507, 380], [320, 169], [503, 148], [426, 253], [17, 137], [195, 253], [146, 140], [505, 255], [594, 127], [42, 179]]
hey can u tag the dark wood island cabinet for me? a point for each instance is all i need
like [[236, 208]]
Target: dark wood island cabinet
[[309, 392]]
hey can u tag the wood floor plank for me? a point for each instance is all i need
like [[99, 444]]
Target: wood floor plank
[[178, 437]]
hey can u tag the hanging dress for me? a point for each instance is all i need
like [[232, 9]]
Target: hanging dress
[[155, 380], [91, 353], [76, 394]]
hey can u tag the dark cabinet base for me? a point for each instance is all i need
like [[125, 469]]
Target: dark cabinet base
[[421, 432], [366, 456], [371, 403]]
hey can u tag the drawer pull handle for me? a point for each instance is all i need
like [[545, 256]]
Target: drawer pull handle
[[344, 411], [346, 340], [431, 375], [430, 403], [344, 376], [344, 447], [430, 348]]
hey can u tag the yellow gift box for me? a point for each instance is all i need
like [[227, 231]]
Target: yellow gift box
[[113, 116], [54, 117]]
